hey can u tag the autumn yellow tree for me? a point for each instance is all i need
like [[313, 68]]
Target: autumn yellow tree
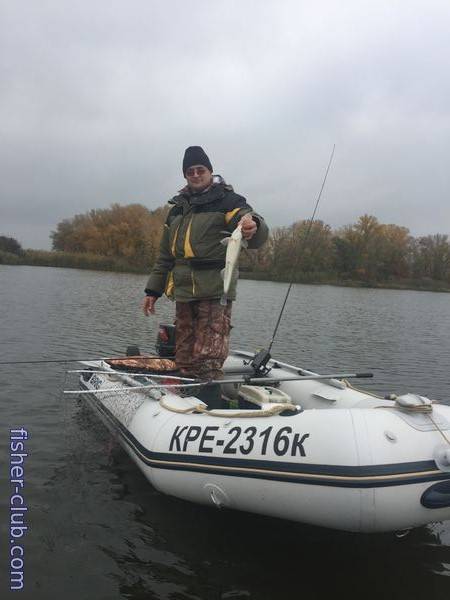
[[129, 232], [372, 251]]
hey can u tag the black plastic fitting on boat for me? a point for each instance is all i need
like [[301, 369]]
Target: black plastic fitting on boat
[[133, 351], [437, 496], [165, 340]]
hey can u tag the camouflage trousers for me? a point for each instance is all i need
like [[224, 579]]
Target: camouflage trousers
[[203, 337]]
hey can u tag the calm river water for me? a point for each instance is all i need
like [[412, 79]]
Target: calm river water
[[97, 529]]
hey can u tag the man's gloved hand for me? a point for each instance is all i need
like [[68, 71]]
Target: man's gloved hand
[[148, 305], [248, 226]]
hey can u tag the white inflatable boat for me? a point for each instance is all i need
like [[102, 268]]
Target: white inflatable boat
[[314, 451]]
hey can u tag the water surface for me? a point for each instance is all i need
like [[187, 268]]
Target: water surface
[[99, 531]]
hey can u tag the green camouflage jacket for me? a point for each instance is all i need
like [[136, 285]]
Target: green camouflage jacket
[[191, 256]]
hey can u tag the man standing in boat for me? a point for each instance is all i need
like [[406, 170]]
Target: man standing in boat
[[189, 265]]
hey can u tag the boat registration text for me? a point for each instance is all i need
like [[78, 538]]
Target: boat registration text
[[238, 440]]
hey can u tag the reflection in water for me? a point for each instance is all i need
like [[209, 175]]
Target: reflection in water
[[100, 531]]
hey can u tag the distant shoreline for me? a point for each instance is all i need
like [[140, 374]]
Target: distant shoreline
[[94, 262]]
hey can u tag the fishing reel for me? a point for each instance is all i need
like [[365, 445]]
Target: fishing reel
[[259, 363]]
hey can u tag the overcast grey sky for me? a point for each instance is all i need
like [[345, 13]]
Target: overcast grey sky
[[99, 99]]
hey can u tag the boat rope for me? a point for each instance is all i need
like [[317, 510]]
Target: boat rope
[[425, 409], [352, 387], [440, 430], [181, 411], [422, 409], [274, 410]]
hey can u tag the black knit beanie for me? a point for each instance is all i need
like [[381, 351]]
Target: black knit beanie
[[195, 155]]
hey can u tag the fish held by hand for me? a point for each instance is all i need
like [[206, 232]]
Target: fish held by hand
[[230, 273]]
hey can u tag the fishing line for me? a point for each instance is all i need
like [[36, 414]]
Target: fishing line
[[261, 359]]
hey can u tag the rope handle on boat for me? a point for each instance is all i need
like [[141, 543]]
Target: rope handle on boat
[[274, 410], [440, 430], [425, 409], [352, 387]]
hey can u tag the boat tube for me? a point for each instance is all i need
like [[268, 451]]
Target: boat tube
[[313, 451]]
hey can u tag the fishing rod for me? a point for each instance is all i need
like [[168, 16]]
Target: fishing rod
[[242, 380], [260, 360], [133, 374], [67, 360]]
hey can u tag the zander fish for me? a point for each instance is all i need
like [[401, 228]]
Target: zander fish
[[230, 273]]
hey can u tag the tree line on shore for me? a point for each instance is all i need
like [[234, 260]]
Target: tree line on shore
[[126, 238]]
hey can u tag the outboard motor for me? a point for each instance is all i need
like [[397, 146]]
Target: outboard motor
[[165, 340]]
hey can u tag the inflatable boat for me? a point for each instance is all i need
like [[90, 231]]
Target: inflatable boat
[[287, 444]]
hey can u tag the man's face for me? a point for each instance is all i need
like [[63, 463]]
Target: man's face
[[198, 178]]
